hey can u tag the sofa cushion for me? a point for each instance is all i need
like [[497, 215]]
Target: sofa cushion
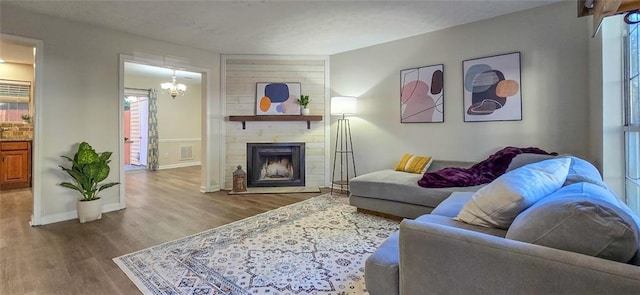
[[583, 218], [498, 203], [448, 221], [414, 164], [583, 171], [381, 268], [527, 158], [441, 164], [452, 205], [400, 187]]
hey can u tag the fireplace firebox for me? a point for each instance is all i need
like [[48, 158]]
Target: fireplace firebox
[[275, 164]]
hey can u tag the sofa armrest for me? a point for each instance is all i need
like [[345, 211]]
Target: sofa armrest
[[438, 259]]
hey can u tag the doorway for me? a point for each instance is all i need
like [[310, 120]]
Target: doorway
[[22, 57], [136, 129], [160, 130]]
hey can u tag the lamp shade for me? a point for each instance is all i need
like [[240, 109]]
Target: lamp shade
[[344, 105]]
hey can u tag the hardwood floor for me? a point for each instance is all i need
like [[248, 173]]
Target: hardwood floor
[[73, 258]]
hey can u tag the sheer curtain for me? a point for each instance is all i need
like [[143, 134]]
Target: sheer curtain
[[152, 155]]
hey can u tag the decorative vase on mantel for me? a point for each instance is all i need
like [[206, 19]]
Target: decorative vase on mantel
[[304, 101]]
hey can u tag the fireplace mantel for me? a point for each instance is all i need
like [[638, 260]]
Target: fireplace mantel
[[281, 118]]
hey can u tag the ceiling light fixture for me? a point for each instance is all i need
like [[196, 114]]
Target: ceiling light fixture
[[174, 89], [1, 60]]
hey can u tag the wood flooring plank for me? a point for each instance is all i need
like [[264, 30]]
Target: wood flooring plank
[[73, 258]]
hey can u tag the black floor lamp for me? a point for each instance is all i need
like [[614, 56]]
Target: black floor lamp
[[344, 147]]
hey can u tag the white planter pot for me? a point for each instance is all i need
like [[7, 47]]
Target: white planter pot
[[89, 210], [305, 111]]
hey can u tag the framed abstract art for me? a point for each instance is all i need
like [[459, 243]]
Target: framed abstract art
[[422, 94], [277, 98], [492, 88]]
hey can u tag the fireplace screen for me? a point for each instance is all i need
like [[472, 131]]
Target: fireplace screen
[[275, 164]]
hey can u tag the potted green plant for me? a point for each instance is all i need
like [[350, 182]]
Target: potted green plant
[[304, 102], [88, 170], [26, 118]]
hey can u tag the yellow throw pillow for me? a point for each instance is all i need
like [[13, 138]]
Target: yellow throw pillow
[[414, 163]]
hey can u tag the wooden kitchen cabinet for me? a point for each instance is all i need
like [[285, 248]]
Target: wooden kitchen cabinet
[[15, 165]]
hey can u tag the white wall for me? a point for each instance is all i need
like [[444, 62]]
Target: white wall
[[554, 68], [81, 100], [178, 120]]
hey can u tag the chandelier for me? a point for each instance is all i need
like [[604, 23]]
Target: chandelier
[[172, 88]]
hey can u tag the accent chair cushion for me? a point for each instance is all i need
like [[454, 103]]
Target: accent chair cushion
[[583, 218], [414, 163], [498, 203]]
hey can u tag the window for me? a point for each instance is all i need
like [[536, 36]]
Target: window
[[13, 111], [632, 115], [14, 100]]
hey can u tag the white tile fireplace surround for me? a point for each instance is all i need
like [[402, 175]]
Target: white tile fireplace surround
[[275, 164], [240, 75], [237, 152]]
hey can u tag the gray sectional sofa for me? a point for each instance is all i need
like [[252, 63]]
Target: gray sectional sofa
[[579, 239], [398, 193]]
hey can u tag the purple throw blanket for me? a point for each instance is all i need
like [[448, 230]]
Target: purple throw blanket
[[480, 173]]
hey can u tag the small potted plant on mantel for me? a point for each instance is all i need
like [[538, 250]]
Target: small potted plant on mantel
[[88, 170], [304, 102]]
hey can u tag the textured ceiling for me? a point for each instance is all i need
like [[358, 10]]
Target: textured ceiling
[[277, 27]]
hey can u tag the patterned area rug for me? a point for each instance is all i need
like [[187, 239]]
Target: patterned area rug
[[317, 246]]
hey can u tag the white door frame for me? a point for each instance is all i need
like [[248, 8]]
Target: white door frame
[[36, 146], [206, 120]]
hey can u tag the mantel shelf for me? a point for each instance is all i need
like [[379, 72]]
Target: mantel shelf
[[280, 118]]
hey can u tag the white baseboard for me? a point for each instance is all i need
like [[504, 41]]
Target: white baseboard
[[74, 214], [210, 189], [58, 217], [112, 207], [179, 165]]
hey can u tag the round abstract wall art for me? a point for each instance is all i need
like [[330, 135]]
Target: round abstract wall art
[[492, 88]]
